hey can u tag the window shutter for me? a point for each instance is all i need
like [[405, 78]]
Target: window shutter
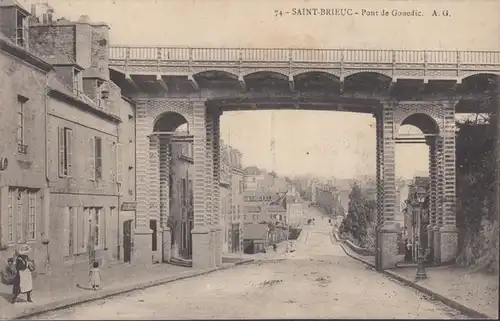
[[66, 230], [119, 163], [86, 229], [104, 228], [61, 151], [69, 151], [91, 173]]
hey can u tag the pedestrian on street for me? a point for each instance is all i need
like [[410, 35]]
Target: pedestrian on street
[[95, 276], [23, 282]]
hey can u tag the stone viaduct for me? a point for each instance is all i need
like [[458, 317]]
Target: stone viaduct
[[172, 86]]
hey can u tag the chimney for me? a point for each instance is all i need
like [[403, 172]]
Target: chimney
[[45, 18], [33, 10]]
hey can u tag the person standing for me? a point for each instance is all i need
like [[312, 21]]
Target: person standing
[[95, 276], [23, 282]]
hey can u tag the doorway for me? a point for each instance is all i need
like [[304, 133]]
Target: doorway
[[127, 241]]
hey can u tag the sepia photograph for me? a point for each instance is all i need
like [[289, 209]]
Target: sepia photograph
[[249, 159]]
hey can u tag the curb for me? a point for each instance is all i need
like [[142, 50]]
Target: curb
[[447, 301], [114, 291], [244, 262]]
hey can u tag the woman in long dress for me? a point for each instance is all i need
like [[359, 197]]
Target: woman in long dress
[[23, 283]]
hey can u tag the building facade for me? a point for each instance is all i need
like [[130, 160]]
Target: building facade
[[237, 187], [181, 199], [76, 136], [24, 193], [226, 195]]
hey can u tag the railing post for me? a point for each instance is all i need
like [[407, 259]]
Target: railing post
[[458, 63], [158, 59], [393, 63], [240, 57], [127, 58], [426, 59], [190, 63]]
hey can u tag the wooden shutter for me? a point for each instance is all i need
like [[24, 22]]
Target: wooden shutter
[[91, 160], [66, 230], [69, 151], [61, 151], [86, 228], [119, 163], [104, 227]]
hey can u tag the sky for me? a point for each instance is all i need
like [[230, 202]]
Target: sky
[[321, 143]]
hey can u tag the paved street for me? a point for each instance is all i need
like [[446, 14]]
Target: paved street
[[316, 281]]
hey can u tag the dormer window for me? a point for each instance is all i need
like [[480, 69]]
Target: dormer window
[[99, 96], [21, 29], [77, 82]]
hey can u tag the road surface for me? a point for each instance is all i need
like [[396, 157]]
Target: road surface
[[318, 280]]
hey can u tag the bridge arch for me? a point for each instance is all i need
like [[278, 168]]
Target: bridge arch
[[357, 73], [215, 73], [168, 114], [169, 122], [424, 122], [315, 71], [275, 73], [479, 82], [367, 81]]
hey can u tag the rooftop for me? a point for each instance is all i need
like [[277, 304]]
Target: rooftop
[[255, 231]]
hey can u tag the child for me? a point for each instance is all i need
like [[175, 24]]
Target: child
[[95, 276]]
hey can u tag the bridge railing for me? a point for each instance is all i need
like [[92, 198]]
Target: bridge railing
[[303, 55]]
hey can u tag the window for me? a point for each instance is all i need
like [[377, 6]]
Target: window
[[65, 151], [97, 227], [21, 28], [21, 215], [98, 158], [77, 82], [184, 192], [99, 88], [71, 231], [31, 215], [19, 218], [95, 159], [10, 218], [21, 147]]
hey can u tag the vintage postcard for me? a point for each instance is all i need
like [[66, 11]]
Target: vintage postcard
[[238, 159]]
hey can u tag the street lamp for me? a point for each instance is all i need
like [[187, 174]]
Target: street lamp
[[421, 274]]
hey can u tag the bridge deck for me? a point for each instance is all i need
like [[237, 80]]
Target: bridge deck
[[435, 64]]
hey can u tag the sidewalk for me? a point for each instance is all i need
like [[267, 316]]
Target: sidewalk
[[69, 286], [474, 293]]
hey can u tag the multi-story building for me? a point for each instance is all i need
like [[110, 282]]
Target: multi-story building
[[235, 236], [181, 198], [24, 193], [328, 198], [231, 200], [252, 178], [74, 137], [253, 203], [225, 195]]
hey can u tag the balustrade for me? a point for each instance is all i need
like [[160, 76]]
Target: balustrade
[[303, 55]]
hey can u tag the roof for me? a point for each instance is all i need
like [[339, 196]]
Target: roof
[[260, 193], [255, 231], [8, 46], [60, 90], [274, 208], [13, 3], [60, 59], [252, 170]]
